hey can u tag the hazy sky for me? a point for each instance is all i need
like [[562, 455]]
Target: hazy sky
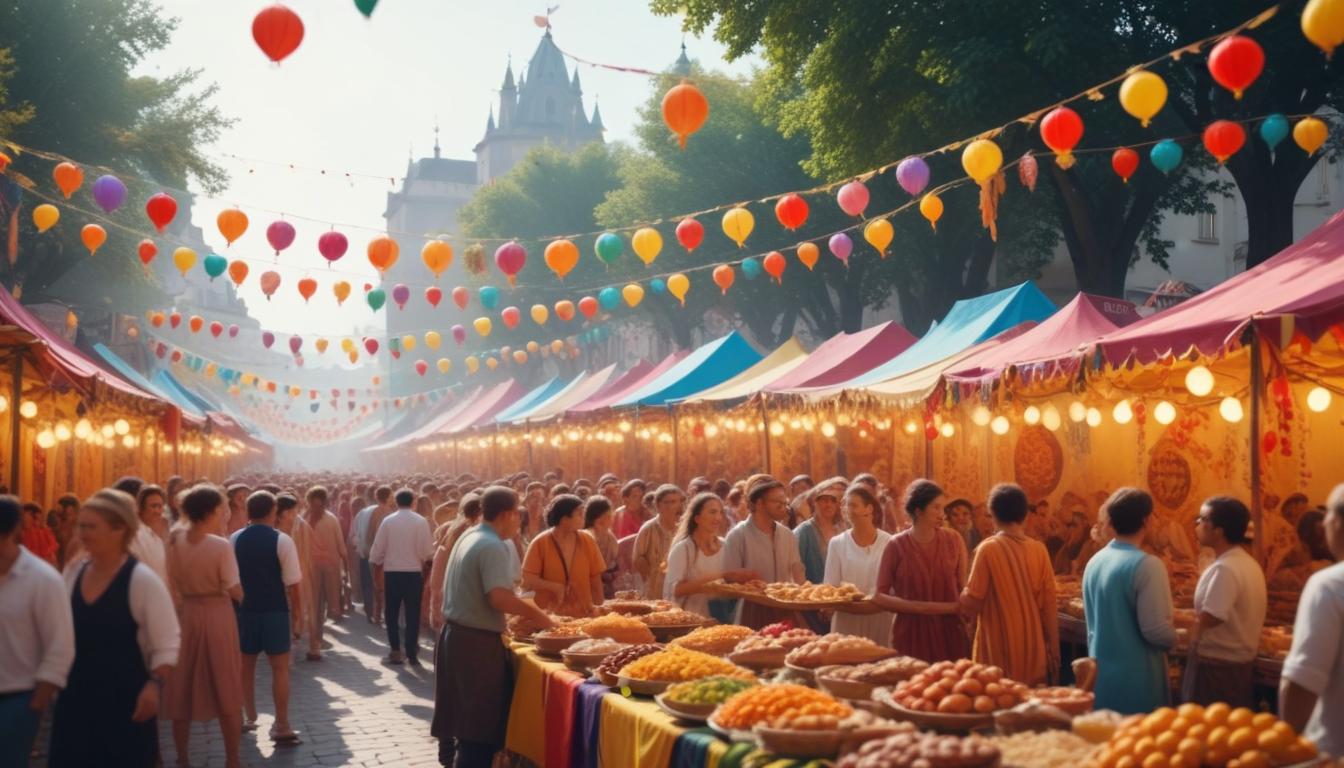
[[359, 94]]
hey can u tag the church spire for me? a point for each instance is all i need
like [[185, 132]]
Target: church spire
[[508, 77], [437, 154], [682, 66], [597, 119], [575, 83]]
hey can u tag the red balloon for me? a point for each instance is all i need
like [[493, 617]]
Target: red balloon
[[588, 306], [791, 210], [421, 367], [216, 328], [564, 310], [175, 319], [278, 31], [371, 345], [1125, 161], [433, 295], [510, 315], [1223, 138], [161, 209], [690, 233], [1236, 62], [147, 250], [1061, 129]]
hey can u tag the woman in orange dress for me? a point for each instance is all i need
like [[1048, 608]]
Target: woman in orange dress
[[563, 565], [207, 683]]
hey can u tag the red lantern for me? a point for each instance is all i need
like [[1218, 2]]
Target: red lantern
[[278, 31], [174, 319], [147, 250], [421, 367], [161, 209], [791, 210], [1236, 62], [1061, 129], [1125, 161], [1223, 138], [433, 295], [685, 109], [690, 233], [588, 306]]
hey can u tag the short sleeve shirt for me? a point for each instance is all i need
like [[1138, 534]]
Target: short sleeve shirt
[[1316, 660], [1233, 591], [480, 563]]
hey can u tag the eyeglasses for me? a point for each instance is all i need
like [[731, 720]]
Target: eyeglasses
[[1201, 519]]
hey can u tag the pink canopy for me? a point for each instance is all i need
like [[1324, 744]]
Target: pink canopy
[[1059, 340], [628, 384], [436, 421], [845, 356], [1304, 283], [486, 406]]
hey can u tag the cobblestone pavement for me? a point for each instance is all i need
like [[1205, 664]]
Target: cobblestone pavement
[[350, 709]]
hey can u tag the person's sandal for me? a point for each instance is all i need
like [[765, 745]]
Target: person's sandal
[[249, 725], [313, 656], [287, 737]]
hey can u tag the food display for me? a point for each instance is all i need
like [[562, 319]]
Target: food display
[[624, 629], [520, 626], [1098, 727], [1275, 642], [674, 617], [923, 750], [674, 665], [813, 593], [1216, 735], [959, 688], [583, 654], [786, 705], [707, 690], [571, 629], [837, 649], [885, 672], [1075, 701], [716, 641], [767, 651], [611, 666], [1043, 749], [634, 607], [1032, 716]]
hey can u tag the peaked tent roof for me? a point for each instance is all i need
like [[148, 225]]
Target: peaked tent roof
[[535, 397], [628, 383], [583, 386], [127, 371], [786, 358], [178, 391], [710, 365], [845, 356], [486, 406], [433, 422], [917, 384]]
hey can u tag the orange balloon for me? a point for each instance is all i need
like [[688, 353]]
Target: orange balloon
[[564, 310], [93, 236], [383, 252], [156, 319], [723, 277], [774, 266], [342, 291], [237, 272], [808, 254], [232, 224], [685, 110], [561, 256], [196, 323], [307, 287], [68, 178]]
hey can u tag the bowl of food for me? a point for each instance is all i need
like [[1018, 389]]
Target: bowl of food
[[588, 653], [696, 699], [652, 674], [952, 696]]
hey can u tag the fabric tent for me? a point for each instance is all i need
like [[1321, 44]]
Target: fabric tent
[[494, 400], [968, 322], [786, 358], [535, 397], [434, 421], [177, 391], [917, 384], [189, 409], [581, 388], [845, 356], [710, 365], [628, 383]]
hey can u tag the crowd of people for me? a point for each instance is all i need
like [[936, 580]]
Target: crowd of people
[[145, 603]]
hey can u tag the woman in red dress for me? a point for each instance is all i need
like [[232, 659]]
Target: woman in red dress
[[921, 576]]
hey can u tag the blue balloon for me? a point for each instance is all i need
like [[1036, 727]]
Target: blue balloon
[[1166, 155], [489, 296], [658, 285], [1274, 130], [751, 268], [601, 333], [314, 406], [609, 298]]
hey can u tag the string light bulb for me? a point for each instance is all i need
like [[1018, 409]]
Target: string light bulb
[[108, 431], [911, 427], [45, 439], [999, 425], [1199, 381], [27, 409], [82, 428], [121, 427], [980, 416], [1230, 409], [1318, 399], [1050, 418], [1032, 415], [827, 429], [776, 429], [1164, 413], [1077, 412], [1093, 417], [947, 429], [1123, 412]]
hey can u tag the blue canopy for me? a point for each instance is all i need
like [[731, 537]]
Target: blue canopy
[[708, 366], [968, 322], [128, 372], [521, 410], [169, 383], [534, 398]]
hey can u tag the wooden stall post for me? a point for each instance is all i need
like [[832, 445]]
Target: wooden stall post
[[676, 438], [15, 400], [1257, 382], [765, 432]]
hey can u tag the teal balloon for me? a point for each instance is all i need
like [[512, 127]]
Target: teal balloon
[[609, 247], [366, 7], [609, 298], [376, 298], [489, 296], [1274, 129], [658, 284], [751, 268], [1166, 155], [215, 265]]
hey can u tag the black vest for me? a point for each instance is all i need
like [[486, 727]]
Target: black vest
[[259, 569]]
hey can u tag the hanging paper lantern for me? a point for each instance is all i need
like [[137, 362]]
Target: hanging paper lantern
[[437, 256], [332, 245], [232, 223], [161, 208], [376, 298], [147, 250], [109, 193], [723, 277], [267, 339], [307, 287], [685, 110], [237, 272], [561, 256], [841, 247], [533, 347], [853, 198], [1142, 95], [321, 345], [45, 216], [564, 310], [520, 357], [633, 293], [912, 174], [491, 363], [433, 339], [93, 236], [751, 268], [647, 244], [808, 253], [277, 31], [270, 281], [1235, 62], [608, 247], [489, 296], [931, 208], [295, 344], [510, 258], [156, 319], [216, 328], [482, 325], [1223, 138], [1310, 134], [174, 319], [679, 285], [981, 159], [433, 295], [371, 346], [68, 177], [400, 295], [1027, 171], [1061, 130], [1124, 161], [280, 234], [233, 331], [383, 252], [1273, 130], [609, 298], [214, 265], [791, 210], [184, 258], [408, 342], [342, 292], [421, 367], [557, 346], [879, 234], [737, 225], [473, 364], [510, 316], [1323, 24], [459, 334], [690, 233], [588, 306], [195, 323], [774, 266], [540, 314], [444, 365], [1166, 155]]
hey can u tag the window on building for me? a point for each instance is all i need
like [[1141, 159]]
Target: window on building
[[1208, 227]]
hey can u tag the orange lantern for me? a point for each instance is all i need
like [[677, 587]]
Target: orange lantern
[[685, 110]]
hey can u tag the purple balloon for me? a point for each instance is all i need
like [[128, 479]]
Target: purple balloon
[[267, 339], [295, 344], [233, 331], [459, 335], [913, 175], [280, 234], [401, 294], [109, 193], [841, 246]]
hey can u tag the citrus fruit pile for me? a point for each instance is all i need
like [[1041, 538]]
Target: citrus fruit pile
[[959, 688], [1217, 735]]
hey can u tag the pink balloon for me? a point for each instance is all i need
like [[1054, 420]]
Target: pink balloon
[[270, 281], [233, 331], [510, 315], [461, 296], [853, 198], [331, 245], [295, 344], [841, 246], [510, 258], [401, 294], [459, 335], [421, 367], [280, 234], [267, 339]]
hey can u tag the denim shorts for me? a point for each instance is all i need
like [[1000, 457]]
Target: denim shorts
[[265, 632]]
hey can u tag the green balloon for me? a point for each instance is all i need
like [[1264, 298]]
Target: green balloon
[[366, 7], [376, 298], [609, 247], [215, 265]]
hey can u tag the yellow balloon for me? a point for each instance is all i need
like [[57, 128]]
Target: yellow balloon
[[482, 325], [342, 291], [347, 345], [982, 159], [633, 294], [879, 234], [408, 342], [45, 216], [557, 346], [444, 365], [433, 339], [248, 378], [540, 314], [321, 345], [1323, 24], [183, 259], [737, 225], [491, 363], [931, 208], [647, 244], [678, 285], [437, 255], [473, 364], [1142, 95], [1310, 133]]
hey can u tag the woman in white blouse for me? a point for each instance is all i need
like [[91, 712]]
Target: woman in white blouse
[[126, 642], [854, 556], [696, 556]]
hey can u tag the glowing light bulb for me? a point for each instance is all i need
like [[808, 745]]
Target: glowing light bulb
[[947, 429], [45, 439], [1050, 418], [624, 426], [1032, 415], [1164, 413], [711, 430], [128, 441], [1093, 417], [4, 403], [1318, 399], [776, 429], [108, 431], [121, 426], [999, 425], [82, 428], [63, 431], [1199, 380], [27, 409], [1123, 413], [911, 427], [827, 429], [1230, 410], [980, 416]]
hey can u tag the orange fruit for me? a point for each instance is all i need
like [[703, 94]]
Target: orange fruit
[[1242, 740], [1218, 737], [1240, 718], [1167, 742], [1216, 757], [1156, 760], [1254, 759], [1128, 761], [1199, 731], [1144, 747], [1191, 751], [1216, 714], [1123, 745], [1106, 759], [1160, 720], [1192, 712], [1180, 725], [1263, 720], [1272, 742]]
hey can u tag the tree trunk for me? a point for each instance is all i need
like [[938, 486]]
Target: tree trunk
[[1100, 234], [851, 304]]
